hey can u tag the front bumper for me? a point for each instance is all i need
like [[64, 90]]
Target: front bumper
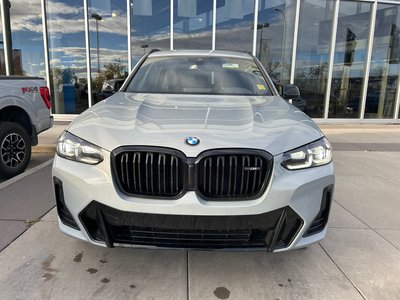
[[281, 219]]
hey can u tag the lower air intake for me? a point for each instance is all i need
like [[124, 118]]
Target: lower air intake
[[321, 220], [269, 231], [62, 210]]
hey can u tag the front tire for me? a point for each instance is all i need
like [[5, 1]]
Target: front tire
[[15, 149]]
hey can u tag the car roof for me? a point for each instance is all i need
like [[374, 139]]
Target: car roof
[[211, 53]]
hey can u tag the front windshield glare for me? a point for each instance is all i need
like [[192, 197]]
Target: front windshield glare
[[199, 75]]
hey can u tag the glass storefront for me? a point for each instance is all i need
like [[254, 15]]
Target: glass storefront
[[326, 47], [27, 38], [275, 29], [67, 56], [2, 57], [385, 64], [234, 25], [108, 45], [315, 33], [150, 26], [350, 58], [193, 24]]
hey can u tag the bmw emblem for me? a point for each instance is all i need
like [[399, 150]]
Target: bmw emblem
[[192, 141]]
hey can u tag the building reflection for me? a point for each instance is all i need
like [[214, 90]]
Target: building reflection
[[149, 28]]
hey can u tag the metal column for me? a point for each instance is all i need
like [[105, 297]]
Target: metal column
[[171, 26], [87, 43], [255, 27], [7, 43], [45, 43], [214, 23], [295, 36], [368, 62], [128, 28], [331, 57]]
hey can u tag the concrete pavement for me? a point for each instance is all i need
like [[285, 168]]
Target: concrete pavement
[[23, 201], [27, 197], [359, 259], [48, 138]]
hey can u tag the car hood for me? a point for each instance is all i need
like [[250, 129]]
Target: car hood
[[261, 122]]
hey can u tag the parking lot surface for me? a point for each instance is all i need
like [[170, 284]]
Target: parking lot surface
[[359, 259]]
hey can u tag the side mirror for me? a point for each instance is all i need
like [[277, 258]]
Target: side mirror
[[107, 87], [288, 91]]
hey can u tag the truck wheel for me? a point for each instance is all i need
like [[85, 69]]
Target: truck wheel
[[15, 149]]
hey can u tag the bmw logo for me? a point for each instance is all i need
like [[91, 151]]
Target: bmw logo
[[192, 141]]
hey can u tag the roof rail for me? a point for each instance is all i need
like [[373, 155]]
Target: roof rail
[[154, 50]]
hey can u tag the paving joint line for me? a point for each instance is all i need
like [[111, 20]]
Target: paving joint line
[[338, 227], [369, 227], [394, 229], [338, 203], [25, 174], [363, 228], [388, 180], [26, 229], [344, 274]]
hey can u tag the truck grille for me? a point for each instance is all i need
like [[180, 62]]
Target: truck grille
[[221, 174]]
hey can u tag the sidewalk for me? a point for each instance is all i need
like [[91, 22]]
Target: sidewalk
[[359, 259], [48, 138]]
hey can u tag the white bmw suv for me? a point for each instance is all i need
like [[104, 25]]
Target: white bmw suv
[[198, 150]]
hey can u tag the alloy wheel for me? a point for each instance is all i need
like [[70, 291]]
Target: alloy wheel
[[13, 150]]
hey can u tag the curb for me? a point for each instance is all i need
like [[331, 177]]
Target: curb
[[44, 148]]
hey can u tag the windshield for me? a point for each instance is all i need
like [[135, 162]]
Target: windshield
[[199, 75]]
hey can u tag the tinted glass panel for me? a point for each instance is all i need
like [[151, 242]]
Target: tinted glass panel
[[109, 44], [350, 57], [199, 75], [2, 58], [312, 56], [235, 20], [27, 38], [67, 54], [385, 63], [192, 24], [150, 26], [275, 37]]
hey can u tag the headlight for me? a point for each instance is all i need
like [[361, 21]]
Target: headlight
[[315, 154], [71, 147]]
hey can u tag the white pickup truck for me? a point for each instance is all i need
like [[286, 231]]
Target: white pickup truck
[[25, 111]]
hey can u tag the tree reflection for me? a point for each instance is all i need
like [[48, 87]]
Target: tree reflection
[[110, 71]]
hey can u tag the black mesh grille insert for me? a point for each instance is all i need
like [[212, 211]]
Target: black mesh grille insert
[[150, 172], [240, 174], [188, 238]]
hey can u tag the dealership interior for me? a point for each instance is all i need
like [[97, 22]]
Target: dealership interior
[[343, 55]]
